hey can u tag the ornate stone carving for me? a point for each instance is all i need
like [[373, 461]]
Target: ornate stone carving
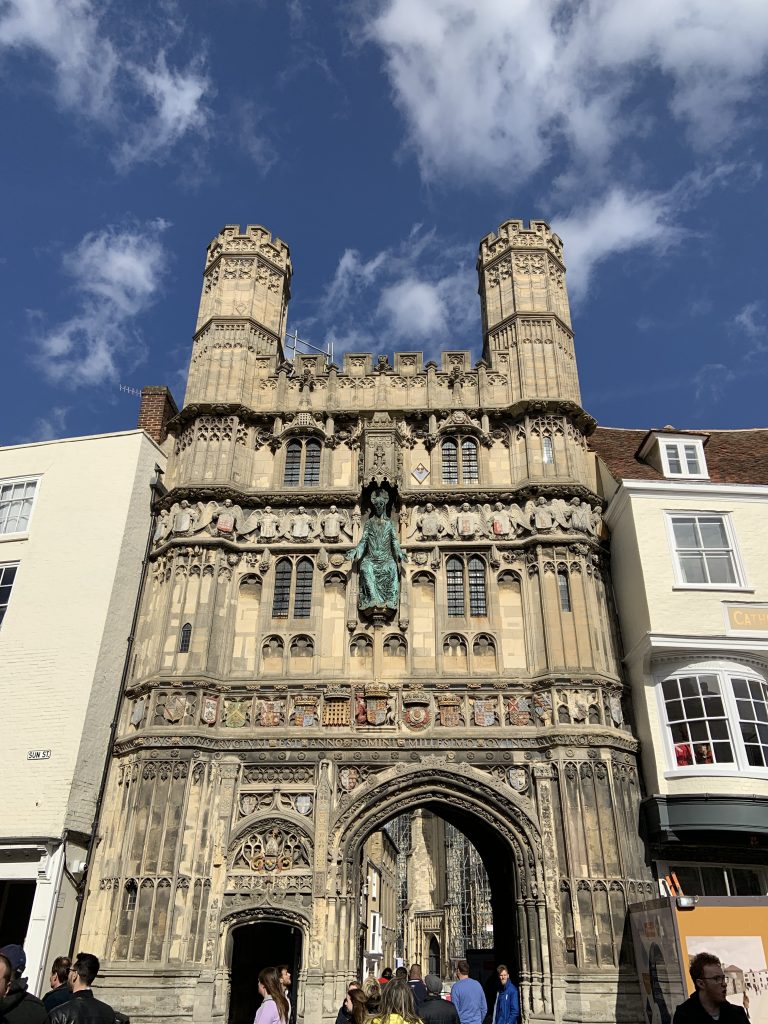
[[272, 846], [379, 555]]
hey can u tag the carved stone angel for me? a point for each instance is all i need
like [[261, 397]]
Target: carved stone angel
[[432, 523], [507, 521], [333, 523], [469, 523]]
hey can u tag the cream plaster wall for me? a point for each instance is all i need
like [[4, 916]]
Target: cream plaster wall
[[651, 601], [63, 639]]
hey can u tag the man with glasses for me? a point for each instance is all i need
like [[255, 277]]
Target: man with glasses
[[84, 1007], [708, 1002]]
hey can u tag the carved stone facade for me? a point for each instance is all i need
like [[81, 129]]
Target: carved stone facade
[[272, 723]]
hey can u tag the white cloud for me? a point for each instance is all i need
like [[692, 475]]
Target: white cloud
[[751, 321], [48, 426], [493, 91], [118, 274], [617, 222], [418, 290], [711, 380], [147, 103]]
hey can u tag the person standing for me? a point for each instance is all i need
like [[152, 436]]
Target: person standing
[[507, 1007], [417, 986], [83, 1007], [709, 1001], [18, 1006], [435, 1009], [275, 1008], [396, 1005], [60, 992], [284, 977], [468, 997]]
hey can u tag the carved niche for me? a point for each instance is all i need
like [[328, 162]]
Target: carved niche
[[272, 846]]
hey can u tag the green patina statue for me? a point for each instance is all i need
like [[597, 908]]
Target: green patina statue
[[379, 554]]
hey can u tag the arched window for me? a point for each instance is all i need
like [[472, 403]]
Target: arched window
[[302, 463], [281, 601], [185, 637], [459, 461], [478, 600], [286, 587], [454, 570], [564, 590], [547, 450], [466, 585], [302, 600]]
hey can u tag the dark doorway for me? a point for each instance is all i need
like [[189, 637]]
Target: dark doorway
[[434, 957], [15, 909], [255, 946]]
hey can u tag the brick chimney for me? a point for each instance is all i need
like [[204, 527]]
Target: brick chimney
[[157, 408]]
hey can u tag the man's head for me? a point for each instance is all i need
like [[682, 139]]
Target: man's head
[[83, 972], [60, 971], [503, 974], [415, 972], [434, 984], [6, 973], [462, 969], [401, 973], [16, 957], [387, 973], [708, 978], [283, 975]]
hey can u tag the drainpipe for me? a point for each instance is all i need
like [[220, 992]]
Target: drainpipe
[[158, 490]]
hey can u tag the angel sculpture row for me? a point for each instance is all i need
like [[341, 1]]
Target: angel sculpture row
[[227, 520], [504, 522]]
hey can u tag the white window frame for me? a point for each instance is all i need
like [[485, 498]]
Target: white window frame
[[9, 565], [680, 581], [724, 670], [680, 444], [10, 481], [373, 887], [376, 932]]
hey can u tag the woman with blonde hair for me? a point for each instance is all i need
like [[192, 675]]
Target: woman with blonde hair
[[274, 1009], [397, 1005], [372, 990]]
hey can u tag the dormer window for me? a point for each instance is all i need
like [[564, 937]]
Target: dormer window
[[675, 456], [683, 458]]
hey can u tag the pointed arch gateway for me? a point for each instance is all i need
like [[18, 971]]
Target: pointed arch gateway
[[504, 829]]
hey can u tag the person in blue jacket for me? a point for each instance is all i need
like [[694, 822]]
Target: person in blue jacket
[[507, 1008]]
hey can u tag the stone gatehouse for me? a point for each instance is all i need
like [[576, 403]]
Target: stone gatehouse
[[373, 586]]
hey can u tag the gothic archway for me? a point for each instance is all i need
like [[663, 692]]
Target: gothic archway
[[502, 825]]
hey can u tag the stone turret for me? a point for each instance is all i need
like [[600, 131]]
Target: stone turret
[[526, 319], [241, 319]]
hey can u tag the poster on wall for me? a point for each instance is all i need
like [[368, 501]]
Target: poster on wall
[[738, 936], [657, 956]]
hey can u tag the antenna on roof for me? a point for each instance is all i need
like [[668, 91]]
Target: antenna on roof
[[130, 391]]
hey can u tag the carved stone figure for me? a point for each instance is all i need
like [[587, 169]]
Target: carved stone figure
[[333, 523], [543, 520], [379, 555], [432, 523], [468, 523], [269, 525], [581, 516], [302, 525]]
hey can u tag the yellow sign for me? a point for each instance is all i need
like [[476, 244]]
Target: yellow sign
[[751, 617]]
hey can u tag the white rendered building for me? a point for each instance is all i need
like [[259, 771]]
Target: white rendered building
[[687, 513], [74, 523]]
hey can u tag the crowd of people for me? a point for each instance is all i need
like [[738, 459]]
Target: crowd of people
[[407, 998], [400, 998], [70, 1000]]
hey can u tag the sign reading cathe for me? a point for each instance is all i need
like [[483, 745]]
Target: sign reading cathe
[[38, 755], [747, 618]]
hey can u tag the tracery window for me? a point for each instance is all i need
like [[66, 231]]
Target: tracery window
[[302, 463], [564, 590], [185, 637], [296, 586], [459, 460], [466, 585]]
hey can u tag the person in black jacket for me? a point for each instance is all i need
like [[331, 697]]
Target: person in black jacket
[[83, 1007], [417, 986], [708, 1003], [60, 990], [17, 1006], [435, 1009]]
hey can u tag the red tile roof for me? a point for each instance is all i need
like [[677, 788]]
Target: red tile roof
[[733, 456]]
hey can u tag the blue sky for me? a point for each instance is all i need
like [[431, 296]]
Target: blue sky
[[381, 141]]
